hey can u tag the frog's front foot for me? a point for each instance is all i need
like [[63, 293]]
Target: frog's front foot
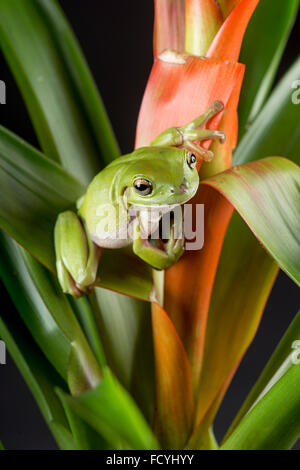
[[190, 135], [77, 257], [160, 250]]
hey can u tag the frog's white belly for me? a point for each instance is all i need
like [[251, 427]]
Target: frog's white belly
[[116, 237]]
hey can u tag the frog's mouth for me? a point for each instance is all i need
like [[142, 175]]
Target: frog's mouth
[[161, 229]]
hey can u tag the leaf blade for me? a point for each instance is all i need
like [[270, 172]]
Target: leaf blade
[[276, 130], [111, 412], [280, 357], [269, 425], [42, 71], [262, 62], [259, 185], [34, 191], [40, 377], [48, 316], [89, 98]]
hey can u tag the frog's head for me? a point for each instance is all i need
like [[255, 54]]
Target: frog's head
[[161, 176]]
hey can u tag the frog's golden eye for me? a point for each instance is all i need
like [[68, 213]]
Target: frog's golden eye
[[191, 160], [142, 187]]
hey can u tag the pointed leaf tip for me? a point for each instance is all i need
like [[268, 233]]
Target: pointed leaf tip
[[228, 41]]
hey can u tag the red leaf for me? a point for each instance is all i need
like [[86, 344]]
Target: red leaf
[[176, 93], [228, 41], [175, 404]]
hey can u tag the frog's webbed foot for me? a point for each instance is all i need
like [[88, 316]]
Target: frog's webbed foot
[[190, 135], [77, 257]]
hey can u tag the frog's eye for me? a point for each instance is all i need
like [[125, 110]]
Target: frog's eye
[[191, 160], [143, 187]]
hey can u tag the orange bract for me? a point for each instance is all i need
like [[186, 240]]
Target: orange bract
[[227, 43], [175, 411], [180, 88]]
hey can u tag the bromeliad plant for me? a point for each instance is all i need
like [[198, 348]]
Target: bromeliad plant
[[110, 370]]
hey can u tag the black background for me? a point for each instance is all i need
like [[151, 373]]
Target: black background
[[117, 40]]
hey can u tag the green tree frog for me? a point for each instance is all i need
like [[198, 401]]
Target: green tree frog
[[125, 203]]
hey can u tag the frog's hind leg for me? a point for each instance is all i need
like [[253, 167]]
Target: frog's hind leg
[[77, 257]]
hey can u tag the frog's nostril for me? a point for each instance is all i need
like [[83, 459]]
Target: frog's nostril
[[183, 188]]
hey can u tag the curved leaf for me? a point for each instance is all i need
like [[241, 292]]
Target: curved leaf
[[228, 41], [33, 191], [87, 95], [125, 329], [276, 130], [110, 410], [266, 193], [40, 377], [280, 362], [262, 62], [174, 391], [85, 437], [244, 276], [51, 80], [48, 316], [269, 425], [86, 318]]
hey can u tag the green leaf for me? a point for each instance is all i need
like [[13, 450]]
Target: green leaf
[[69, 118], [85, 316], [56, 85], [273, 421], [87, 94], [110, 410], [266, 193], [85, 437], [276, 130], [39, 375], [262, 62], [1, 446], [34, 191], [280, 362], [48, 316], [126, 332]]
